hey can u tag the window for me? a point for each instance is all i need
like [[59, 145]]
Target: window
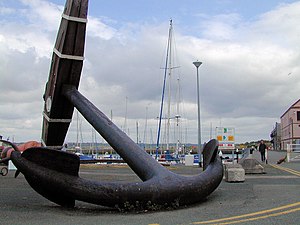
[[298, 115]]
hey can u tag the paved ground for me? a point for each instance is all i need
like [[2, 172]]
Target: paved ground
[[271, 198]]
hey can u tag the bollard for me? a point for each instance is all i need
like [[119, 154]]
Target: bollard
[[288, 152]]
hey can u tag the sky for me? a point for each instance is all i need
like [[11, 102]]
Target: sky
[[248, 79]]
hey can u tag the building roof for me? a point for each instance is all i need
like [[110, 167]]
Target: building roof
[[292, 106]]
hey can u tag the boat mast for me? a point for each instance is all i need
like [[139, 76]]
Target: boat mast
[[125, 120], [169, 84], [145, 131], [79, 132], [163, 91], [177, 116], [77, 129]]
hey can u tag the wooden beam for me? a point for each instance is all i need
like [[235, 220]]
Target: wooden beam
[[66, 67]]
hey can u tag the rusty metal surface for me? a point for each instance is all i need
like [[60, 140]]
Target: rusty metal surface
[[54, 174], [138, 160]]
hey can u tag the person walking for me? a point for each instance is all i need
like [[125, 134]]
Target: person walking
[[262, 149]]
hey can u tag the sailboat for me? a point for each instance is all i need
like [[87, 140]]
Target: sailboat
[[78, 147], [167, 84]]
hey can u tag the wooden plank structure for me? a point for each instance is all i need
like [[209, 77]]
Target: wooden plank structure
[[66, 67]]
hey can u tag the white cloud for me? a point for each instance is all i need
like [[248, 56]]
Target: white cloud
[[98, 29], [280, 25], [44, 14], [220, 27], [6, 11]]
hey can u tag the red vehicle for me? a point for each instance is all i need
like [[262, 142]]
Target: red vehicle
[[5, 154]]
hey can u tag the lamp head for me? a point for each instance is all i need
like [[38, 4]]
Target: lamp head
[[197, 63]]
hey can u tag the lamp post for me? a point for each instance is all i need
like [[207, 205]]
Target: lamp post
[[197, 64]]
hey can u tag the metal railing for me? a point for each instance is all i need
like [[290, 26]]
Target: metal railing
[[290, 149]]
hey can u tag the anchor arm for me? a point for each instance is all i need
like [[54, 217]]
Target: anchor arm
[[139, 160]]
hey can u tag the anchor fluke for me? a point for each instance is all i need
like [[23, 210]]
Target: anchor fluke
[[45, 169]]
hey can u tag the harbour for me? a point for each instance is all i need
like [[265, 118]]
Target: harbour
[[123, 182]]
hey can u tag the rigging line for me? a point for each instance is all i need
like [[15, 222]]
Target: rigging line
[[176, 57], [163, 92]]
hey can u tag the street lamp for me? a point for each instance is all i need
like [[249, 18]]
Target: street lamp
[[197, 64]]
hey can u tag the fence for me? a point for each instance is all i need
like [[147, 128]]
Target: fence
[[290, 149]]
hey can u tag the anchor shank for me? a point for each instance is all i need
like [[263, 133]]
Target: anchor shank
[[139, 160]]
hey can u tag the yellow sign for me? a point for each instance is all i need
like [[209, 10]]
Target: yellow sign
[[230, 138], [225, 134]]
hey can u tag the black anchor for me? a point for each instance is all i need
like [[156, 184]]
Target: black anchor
[[54, 173]]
